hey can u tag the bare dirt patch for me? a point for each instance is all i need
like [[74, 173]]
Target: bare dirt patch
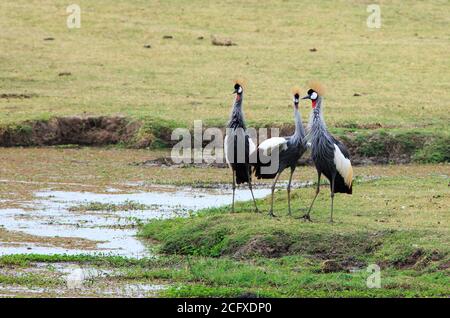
[[263, 246], [168, 162], [221, 41], [17, 95], [336, 252], [418, 259], [14, 238], [95, 131]]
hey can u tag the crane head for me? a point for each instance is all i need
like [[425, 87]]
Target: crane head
[[296, 93], [296, 99], [238, 89], [315, 92], [239, 85], [313, 96]]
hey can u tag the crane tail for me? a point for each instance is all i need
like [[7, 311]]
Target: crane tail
[[340, 186], [260, 175], [257, 169], [243, 172]]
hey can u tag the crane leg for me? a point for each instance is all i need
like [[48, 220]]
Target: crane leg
[[234, 190], [273, 189], [251, 190], [289, 191], [306, 216], [332, 198]]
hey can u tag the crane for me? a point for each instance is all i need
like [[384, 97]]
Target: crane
[[329, 155], [238, 146], [289, 150]]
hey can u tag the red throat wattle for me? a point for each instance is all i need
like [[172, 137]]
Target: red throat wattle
[[238, 97], [313, 103]]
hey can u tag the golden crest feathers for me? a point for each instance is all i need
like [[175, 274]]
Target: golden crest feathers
[[295, 90], [316, 86], [241, 82]]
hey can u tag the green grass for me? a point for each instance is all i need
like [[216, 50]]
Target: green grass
[[24, 260], [127, 205], [399, 222], [399, 70], [29, 280]]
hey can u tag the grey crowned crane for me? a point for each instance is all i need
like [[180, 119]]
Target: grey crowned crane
[[289, 150], [329, 155], [238, 146]]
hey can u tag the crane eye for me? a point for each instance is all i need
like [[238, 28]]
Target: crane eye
[[313, 95]]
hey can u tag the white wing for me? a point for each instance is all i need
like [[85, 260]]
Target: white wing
[[273, 143], [343, 165], [251, 146], [225, 149], [228, 144]]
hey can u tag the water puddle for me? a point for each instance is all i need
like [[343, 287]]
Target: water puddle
[[114, 232], [139, 290]]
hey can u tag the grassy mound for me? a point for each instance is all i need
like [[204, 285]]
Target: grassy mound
[[252, 253]]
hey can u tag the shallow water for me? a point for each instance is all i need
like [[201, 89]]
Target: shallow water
[[115, 231]]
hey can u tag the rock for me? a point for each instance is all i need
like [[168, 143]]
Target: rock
[[221, 42]]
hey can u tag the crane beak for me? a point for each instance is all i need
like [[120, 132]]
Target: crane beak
[[235, 91], [306, 97]]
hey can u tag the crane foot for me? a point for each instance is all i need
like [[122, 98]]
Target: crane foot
[[306, 217], [271, 214]]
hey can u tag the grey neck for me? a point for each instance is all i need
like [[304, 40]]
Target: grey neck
[[237, 116], [316, 123], [299, 133]]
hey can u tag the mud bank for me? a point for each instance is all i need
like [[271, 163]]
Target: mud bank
[[92, 131], [367, 146]]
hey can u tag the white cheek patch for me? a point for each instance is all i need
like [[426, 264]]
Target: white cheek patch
[[314, 95], [240, 90], [295, 100]]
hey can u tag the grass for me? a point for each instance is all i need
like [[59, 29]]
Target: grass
[[127, 205], [288, 276], [181, 79], [250, 253], [396, 218], [29, 280], [24, 260]]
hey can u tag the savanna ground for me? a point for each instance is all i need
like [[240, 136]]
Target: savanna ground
[[397, 218]]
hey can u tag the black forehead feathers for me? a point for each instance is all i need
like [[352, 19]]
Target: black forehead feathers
[[310, 91], [236, 86], [297, 96]]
